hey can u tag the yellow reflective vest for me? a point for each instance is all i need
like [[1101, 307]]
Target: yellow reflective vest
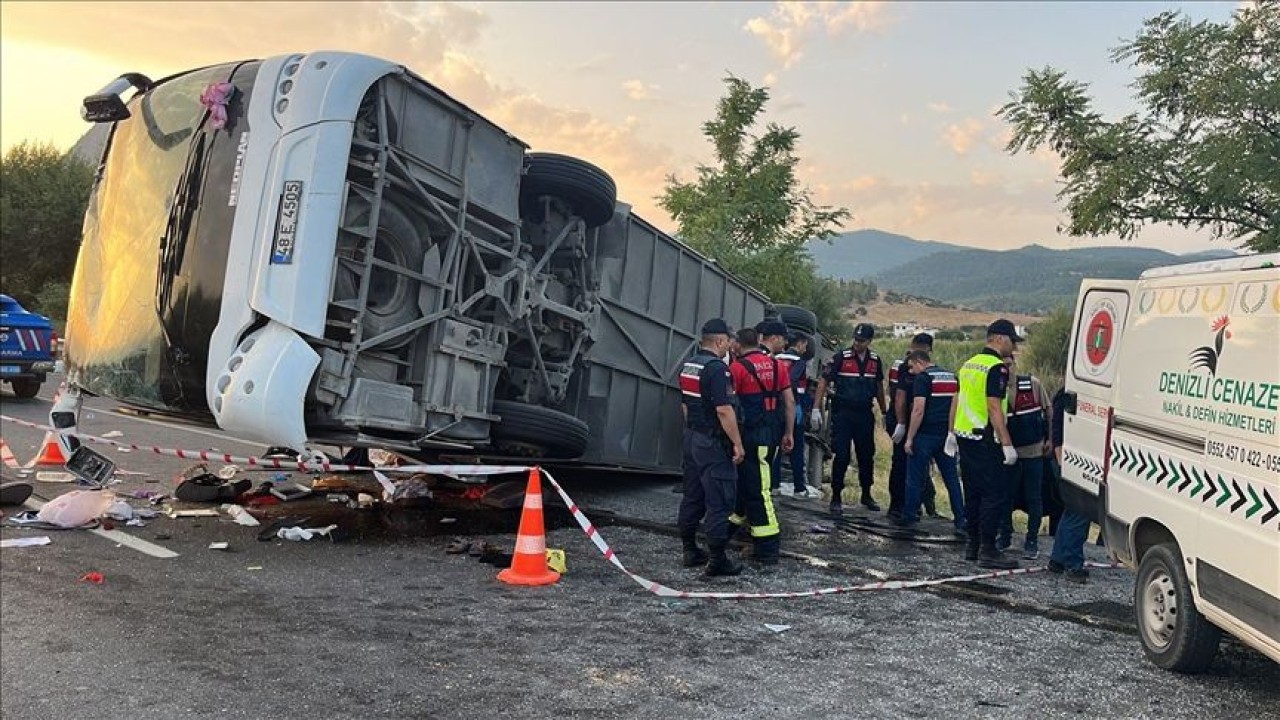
[[971, 413]]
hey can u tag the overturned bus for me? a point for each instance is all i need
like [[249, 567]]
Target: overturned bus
[[326, 248]]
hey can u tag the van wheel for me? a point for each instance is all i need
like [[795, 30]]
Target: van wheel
[[587, 189], [1174, 634], [26, 389], [538, 431]]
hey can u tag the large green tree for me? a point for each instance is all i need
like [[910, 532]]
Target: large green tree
[[1202, 152], [749, 212], [43, 195]]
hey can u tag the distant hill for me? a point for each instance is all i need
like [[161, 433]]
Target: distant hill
[[864, 254], [1032, 279]]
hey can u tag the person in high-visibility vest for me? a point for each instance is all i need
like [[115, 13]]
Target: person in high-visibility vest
[[979, 433]]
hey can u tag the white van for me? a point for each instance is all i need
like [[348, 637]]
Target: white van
[[1172, 441]]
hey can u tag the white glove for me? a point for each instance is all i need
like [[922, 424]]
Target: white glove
[[815, 419], [899, 433], [1010, 454], [951, 447]]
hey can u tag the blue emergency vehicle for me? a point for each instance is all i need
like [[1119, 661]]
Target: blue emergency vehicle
[[27, 343]]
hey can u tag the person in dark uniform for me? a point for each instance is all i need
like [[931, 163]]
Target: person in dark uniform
[[857, 375], [712, 448], [796, 358], [980, 435], [768, 416], [1029, 426], [901, 392], [926, 435]]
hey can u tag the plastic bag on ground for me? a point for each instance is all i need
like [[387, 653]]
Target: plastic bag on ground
[[76, 508]]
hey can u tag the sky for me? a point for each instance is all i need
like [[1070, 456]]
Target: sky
[[894, 101]]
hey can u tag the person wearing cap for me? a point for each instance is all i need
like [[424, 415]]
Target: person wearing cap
[[857, 376], [1030, 427], [795, 357], [927, 432], [712, 449], [768, 418], [901, 394], [980, 435]]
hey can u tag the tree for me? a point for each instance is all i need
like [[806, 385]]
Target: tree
[[1202, 152], [1045, 354], [750, 213], [43, 195]]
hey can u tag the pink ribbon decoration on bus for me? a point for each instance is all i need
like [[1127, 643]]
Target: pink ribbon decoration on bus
[[215, 99]]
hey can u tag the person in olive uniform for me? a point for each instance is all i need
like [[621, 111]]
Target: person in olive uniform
[[712, 450]]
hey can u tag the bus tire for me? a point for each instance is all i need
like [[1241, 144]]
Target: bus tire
[[25, 389], [587, 189], [541, 430], [392, 301], [1174, 635], [798, 318]]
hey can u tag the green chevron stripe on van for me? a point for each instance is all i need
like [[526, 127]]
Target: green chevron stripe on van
[[1257, 503], [1226, 492], [1195, 472]]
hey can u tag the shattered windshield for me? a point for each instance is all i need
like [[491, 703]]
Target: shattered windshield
[[115, 341]]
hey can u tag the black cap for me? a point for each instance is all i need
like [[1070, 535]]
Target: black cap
[[716, 326], [771, 326], [864, 331], [1004, 327], [795, 336], [923, 339]]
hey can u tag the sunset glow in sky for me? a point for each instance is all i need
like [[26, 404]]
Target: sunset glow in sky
[[894, 101]]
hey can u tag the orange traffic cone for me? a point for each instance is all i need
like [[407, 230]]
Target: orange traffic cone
[[51, 453], [6, 455], [529, 561]]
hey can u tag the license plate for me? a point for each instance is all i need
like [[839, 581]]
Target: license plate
[[287, 223], [10, 369]]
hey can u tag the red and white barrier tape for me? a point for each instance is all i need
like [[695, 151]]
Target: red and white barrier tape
[[585, 523], [274, 464], [7, 457]]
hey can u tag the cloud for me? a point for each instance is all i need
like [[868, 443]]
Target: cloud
[[939, 107], [157, 40], [790, 25], [961, 137], [639, 90]]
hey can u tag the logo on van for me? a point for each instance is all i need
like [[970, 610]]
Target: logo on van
[[1207, 356], [1101, 332]]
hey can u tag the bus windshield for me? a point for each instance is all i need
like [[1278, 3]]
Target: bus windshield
[[148, 169]]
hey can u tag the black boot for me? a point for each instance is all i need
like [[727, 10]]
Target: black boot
[[993, 559], [694, 555], [721, 563], [971, 552], [869, 502]]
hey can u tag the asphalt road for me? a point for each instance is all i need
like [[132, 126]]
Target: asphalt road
[[395, 627]]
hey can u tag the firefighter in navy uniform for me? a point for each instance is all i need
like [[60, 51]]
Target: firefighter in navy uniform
[[857, 375], [712, 448], [764, 393], [981, 436], [896, 421]]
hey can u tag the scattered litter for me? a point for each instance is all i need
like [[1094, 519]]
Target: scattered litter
[[291, 492], [388, 487], [26, 517], [76, 508], [364, 501], [226, 472], [254, 567], [15, 493], [145, 513], [124, 449], [135, 522], [55, 477], [113, 434], [202, 512], [163, 536], [144, 494], [458, 546], [777, 628], [240, 515], [297, 533], [448, 520], [25, 542], [337, 498], [555, 560], [218, 545], [96, 578], [383, 458], [819, 529], [120, 510]]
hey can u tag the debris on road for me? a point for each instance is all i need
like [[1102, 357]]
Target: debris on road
[[76, 508], [15, 493], [120, 510], [201, 512], [55, 477], [113, 434], [777, 628], [300, 534], [219, 545], [25, 542], [95, 578], [226, 472], [240, 515]]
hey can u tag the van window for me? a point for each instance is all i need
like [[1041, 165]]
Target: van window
[[1098, 330]]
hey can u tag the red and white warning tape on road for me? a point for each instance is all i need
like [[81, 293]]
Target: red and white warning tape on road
[[585, 523], [7, 457]]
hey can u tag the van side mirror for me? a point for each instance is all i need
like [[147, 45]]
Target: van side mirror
[[1069, 403]]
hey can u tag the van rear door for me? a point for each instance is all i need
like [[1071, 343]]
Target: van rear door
[[1102, 310]]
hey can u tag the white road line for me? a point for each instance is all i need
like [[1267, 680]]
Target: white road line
[[125, 539], [168, 426]]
